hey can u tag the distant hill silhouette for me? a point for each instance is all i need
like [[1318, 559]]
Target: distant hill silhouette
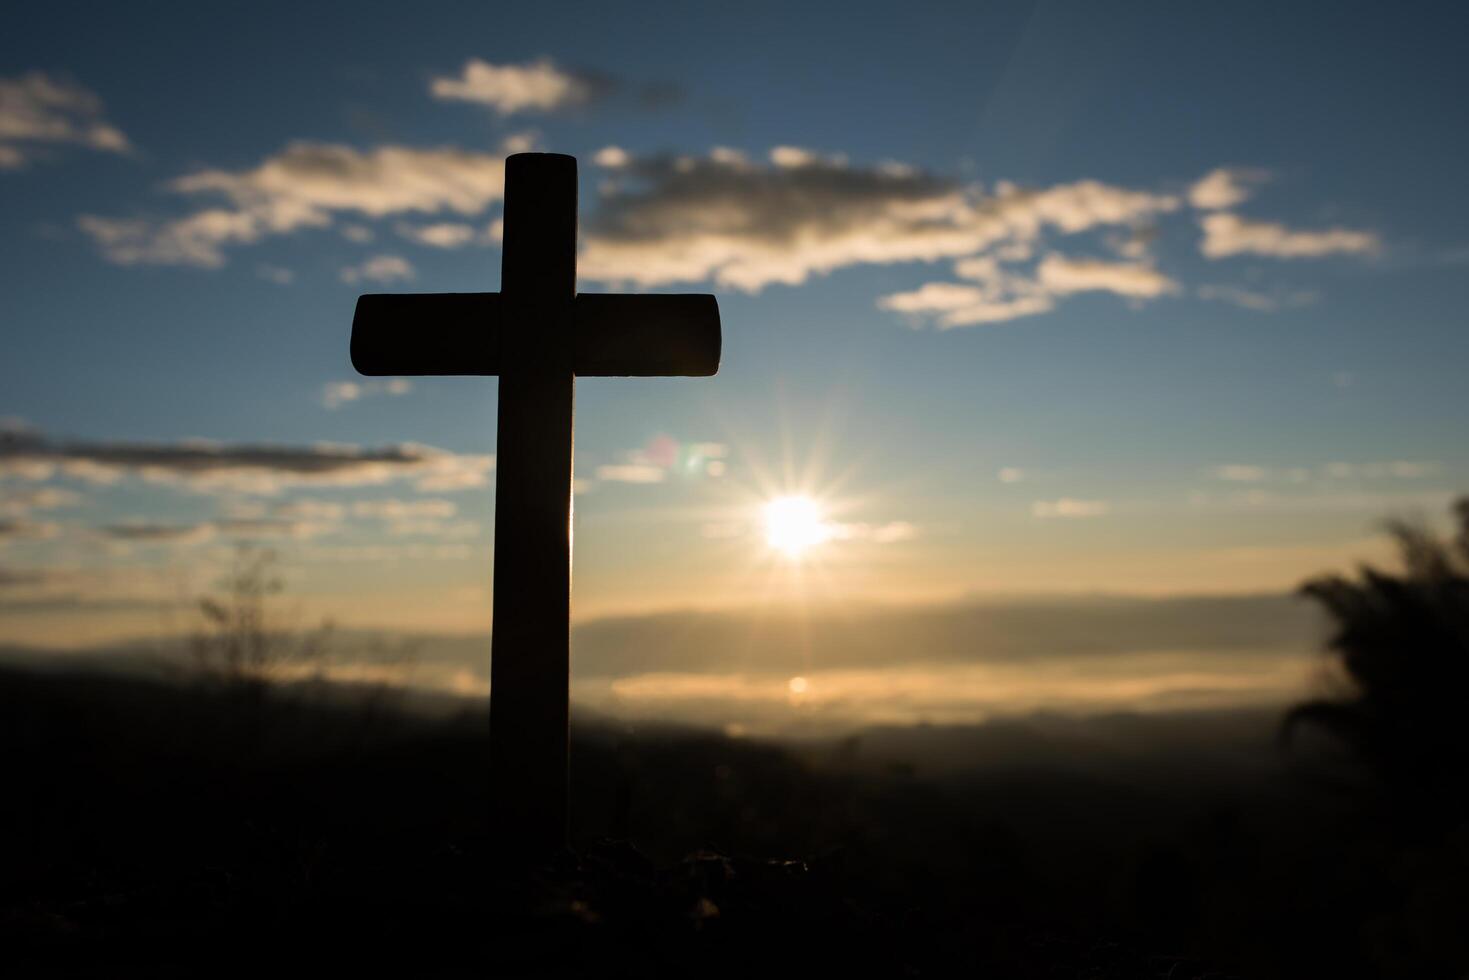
[[218, 824], [158, 828]]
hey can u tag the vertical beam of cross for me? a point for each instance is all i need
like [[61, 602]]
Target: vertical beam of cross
[[537, 334], [530, 655]]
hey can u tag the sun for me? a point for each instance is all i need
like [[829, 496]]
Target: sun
[[794, 525]]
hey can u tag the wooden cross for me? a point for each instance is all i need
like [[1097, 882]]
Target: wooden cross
[[537, 334]]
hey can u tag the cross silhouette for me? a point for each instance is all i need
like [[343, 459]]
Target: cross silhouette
[[537, 334]]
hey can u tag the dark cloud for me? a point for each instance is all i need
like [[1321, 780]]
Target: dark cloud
[[241, 467], [148, 533], [797, 640], [746, 224], [12, 529]]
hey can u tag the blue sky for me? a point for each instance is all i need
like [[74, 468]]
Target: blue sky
[[1151, 381]]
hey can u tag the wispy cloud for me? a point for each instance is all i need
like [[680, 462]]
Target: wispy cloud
[[662, 458], [1227, 234], [95, 586], [1059, 275], [889, 533], [1369, 503], [1069, 507], [1269, 301], [1003, 294], [380, 268], [537, 86], [1399, 469], [36, 110], [402, 510], [631, 473], [543, 86], [150, 533], [20, 501], [1241, 473], [307, 185], [335, 394], [145, 532], [747, 225], [14, 529], [1224, 187], [221, 467], [305, 509], [444, 234]]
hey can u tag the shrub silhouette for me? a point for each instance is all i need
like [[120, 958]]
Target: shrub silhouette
[[239, 643], [1401, 646]]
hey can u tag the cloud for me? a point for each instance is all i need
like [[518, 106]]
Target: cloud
[[537, 86], [543, 86], [933, 297], [1361, 502], [276, 274], [307, 182], [273, 527], [36, 109], [1228, 234], [380, 268], [196, 240], [1010, 474], [1260, 302], [1135, 243], [307, 185], [1067, 507], [305, 509], [663, 457], [259, 469], [383, 554], [1224, 187], [1060, 275], [1398, 469], [747, 225], [335, 394], [631, 473], [1401, 469], [14, 529], [1002, 294], [402, 510], [433, 528], [889, 533], [184, 535], [1241, 473], [611, 157], [958, 305], [466, 473], [142, 532], [19, 502], [446, 234], [52, 587]]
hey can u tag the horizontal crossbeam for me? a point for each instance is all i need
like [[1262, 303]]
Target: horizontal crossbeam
[[614, 335]]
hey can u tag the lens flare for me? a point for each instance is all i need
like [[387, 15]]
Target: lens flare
[[794, 525]]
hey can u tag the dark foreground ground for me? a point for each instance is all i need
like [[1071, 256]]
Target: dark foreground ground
[[163, 830]]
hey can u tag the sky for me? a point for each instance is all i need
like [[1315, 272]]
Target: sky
[[1018, 300]]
